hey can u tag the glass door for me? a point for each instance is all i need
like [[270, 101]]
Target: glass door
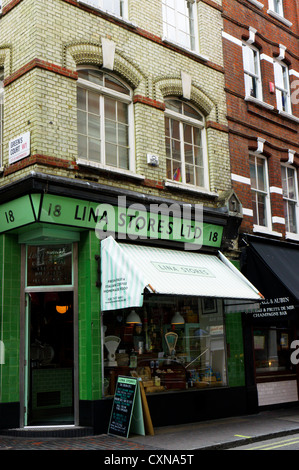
[[50, 372], [50, 336]]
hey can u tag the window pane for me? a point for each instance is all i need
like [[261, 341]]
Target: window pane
[[116, 85], [291, 183], [189, 174], [177, 172], [123, 158], [111, 154], [94, 123], [110, 109], [123, 135], [199, 173], [81, 99], [93, 103], [188, 154], [272, 350], [169, 169], [81, 122], [198, 156], [94, 149], [187, 133], [260, 175], [122, 112], [261, 210], [82, 146], [110, 131], [292, 225], [252, 172]]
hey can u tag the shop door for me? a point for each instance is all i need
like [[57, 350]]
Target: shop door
[[49, 374]]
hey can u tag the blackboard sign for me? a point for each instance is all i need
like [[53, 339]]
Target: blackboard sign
[[126, 404]]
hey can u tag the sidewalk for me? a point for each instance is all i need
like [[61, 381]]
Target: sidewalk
[[208, 435]]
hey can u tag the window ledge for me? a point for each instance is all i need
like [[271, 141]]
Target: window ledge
[[109, 169], [288, 116], [292, 236], [179, 46], [279, 18], [257, 4], [258, 102], [189, 188], [108, 13], [266, 230]]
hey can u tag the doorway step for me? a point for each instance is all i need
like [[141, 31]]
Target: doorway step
[[49, 431]]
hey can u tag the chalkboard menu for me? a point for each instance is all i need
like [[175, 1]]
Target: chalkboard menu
[[123, 406]]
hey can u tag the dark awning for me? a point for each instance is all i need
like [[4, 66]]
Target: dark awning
[[282, 262]]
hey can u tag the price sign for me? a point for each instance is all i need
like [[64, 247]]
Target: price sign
[[125, 406]]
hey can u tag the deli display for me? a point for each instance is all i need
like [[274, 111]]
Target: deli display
[[171, 343]]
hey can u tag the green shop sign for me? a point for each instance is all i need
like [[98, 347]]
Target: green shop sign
[[133, 222]]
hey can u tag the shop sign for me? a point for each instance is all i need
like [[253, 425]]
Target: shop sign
[[16, 213], [278, 308], [134, 222], [19, 148]]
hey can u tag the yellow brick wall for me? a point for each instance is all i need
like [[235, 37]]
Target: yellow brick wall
[[64, 34]]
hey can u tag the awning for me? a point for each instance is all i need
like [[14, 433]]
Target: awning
[[129, 269], [283, 262]]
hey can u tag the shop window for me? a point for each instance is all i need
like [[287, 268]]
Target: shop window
[[179, 23], [104, 118], [272, 351], [115, 7], [170, 344], [282, 86], [1, 114], [252, 72], [186, 153], [290, 198], [259, 190]]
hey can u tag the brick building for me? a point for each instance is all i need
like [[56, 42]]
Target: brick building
[[113, 113], [261, 59]]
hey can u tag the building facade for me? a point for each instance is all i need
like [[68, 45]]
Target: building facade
[[260, 39], [114, 153]]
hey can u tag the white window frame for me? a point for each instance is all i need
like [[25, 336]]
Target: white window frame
[[265, 193], [255, 75], [112, 9], [288, 200], [176, 23], [127, 99], [277, 6], [276, 10], [182, 119], [282, 89]]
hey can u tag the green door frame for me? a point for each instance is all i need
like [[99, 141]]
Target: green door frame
[[24, 334]]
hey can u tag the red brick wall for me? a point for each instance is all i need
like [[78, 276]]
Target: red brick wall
[[247, 120]]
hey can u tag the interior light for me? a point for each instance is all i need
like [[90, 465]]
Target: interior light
[[62, 309], [133, 317], [177, 319]]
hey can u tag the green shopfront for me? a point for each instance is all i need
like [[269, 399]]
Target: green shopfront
[[96, 284]]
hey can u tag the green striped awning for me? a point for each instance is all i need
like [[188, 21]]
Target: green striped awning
[[129, 269]]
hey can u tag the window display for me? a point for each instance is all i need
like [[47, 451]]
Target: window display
[[272, 350], [171, 343]]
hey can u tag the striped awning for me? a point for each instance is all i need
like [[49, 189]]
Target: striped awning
[[129, 269]]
